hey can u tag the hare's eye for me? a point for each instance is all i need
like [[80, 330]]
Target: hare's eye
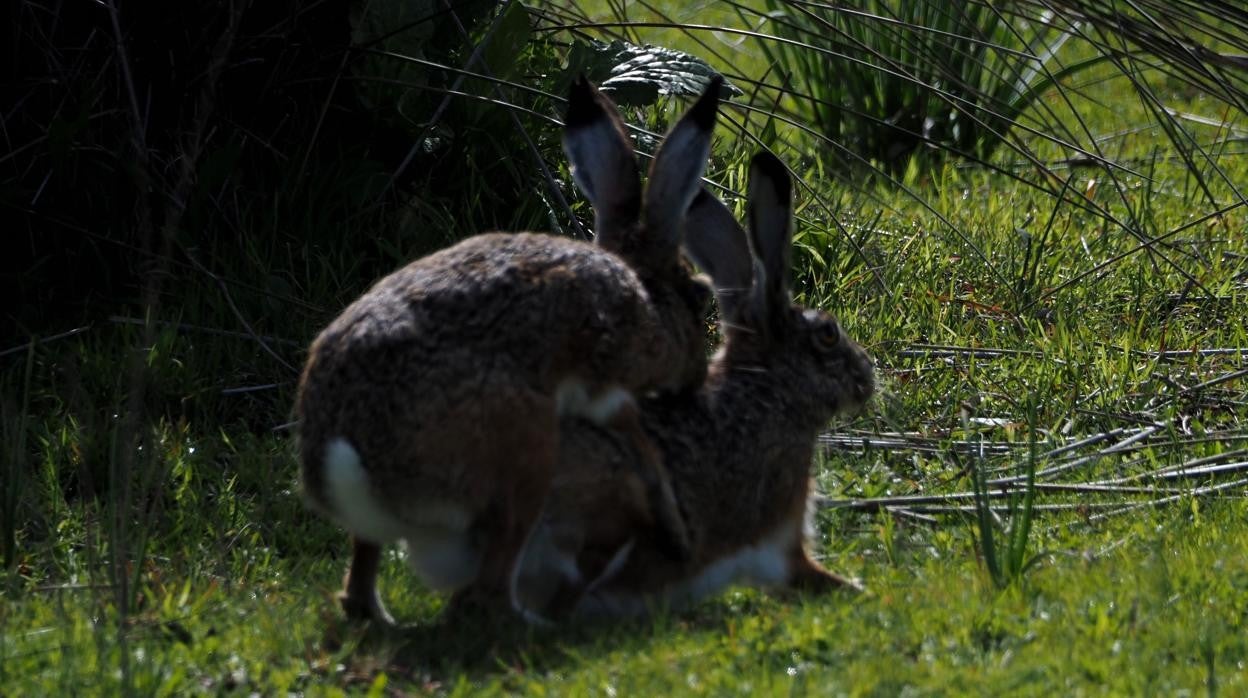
[[827, 335], [699, 295]]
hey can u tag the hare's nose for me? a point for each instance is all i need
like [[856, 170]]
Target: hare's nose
[[864, 386], [863, 392]]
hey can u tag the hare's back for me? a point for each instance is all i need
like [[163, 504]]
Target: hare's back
[[521, 271], [523, 295], [525, 298]]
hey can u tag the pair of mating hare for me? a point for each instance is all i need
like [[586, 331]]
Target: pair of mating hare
[[534, 418]]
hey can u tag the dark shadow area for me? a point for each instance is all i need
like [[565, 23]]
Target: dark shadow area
[[479, 644]]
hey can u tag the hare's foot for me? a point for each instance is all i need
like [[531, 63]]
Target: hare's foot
[[809, 576], [561, 605], [473, 601], [359, 597]]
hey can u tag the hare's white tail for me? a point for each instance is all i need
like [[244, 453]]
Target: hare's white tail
[[437, 536], [350, 497]]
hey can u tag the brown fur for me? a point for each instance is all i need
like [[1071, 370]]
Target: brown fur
[[738, 452], [443, 377], [415, 367]]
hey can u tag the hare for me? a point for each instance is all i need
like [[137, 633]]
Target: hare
[[738, 451], [429, 408]]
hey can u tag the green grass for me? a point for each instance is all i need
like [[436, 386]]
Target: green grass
[[216, 579]]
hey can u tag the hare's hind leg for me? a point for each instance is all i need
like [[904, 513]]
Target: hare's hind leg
[[614, 408], [675, 539], [504, 530], [359, 597], [347, 496], [520, 463]]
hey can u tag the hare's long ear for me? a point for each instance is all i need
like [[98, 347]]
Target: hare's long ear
[[771, 237], [676, 174], [603, 163], [716, 243]]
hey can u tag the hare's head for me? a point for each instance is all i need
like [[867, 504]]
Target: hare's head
[[802, 349], [646, 230]]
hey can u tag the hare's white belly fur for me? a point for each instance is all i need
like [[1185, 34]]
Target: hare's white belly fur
[[435, 535], [767, 563], [443, 558], [763, 564]]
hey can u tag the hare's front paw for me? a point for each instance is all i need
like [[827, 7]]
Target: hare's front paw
[[364, 607]]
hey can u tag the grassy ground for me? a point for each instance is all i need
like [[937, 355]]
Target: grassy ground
[[1001, 343]]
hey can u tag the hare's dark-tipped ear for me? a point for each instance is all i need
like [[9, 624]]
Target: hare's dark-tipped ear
[[771, 235], [676, 174], [716, 243], [602, 160]]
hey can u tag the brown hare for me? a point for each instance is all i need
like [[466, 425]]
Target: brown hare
[[429, 409], [738, 452]]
